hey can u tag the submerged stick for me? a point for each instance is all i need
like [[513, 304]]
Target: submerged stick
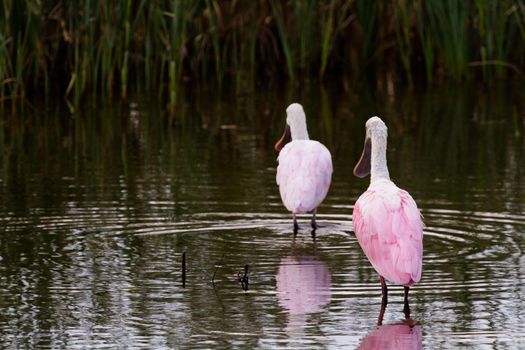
[[216, 269], [183, 269], [244, 278]]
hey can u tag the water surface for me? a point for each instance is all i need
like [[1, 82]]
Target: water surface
[[97, 208]]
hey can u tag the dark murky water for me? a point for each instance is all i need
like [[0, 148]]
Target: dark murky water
[[97, 209]]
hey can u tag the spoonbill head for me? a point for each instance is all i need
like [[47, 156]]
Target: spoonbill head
[[295, 126], [387, 222], [304, 170], [377, 132]]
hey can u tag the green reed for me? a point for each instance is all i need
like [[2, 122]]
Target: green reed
[[86, 47]]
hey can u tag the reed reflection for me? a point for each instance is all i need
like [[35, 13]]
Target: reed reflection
[[403, 335], [303, 287]]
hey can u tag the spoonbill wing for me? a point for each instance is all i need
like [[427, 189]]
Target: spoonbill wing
[[304, 175], [389, 228]]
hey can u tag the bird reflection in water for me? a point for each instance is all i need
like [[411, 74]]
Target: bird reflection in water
[[303, 287], [404, 335]]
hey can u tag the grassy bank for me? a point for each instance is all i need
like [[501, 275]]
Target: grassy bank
[[81, 47]]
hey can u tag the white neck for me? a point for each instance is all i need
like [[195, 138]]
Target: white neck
[[299, 133], [379, 168], [297, 122]]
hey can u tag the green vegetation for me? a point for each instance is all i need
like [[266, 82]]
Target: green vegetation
[[86, 47]]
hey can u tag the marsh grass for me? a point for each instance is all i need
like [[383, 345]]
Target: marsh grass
[[105, 48]]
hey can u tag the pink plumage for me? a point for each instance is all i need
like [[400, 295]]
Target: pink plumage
[[387, 222], [304, 174], [389, 228]]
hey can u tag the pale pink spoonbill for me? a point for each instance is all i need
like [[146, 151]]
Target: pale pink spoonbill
[[387, 222], [305, 168]]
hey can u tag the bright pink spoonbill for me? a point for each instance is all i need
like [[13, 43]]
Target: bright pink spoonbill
[[305, 169], [387, 222]]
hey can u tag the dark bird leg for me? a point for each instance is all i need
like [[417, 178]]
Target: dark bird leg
[[384, 300], [406, 308], [381, 314], [314, 224], [315, 242], [384, 291], [295, 225]]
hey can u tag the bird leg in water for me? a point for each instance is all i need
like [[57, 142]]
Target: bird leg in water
[[381, 314], [384, 291], [315, 242], [384, 301], [314, 224], [406, 309], [295, 225]]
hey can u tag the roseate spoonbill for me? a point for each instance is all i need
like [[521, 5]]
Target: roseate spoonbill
[[387, 222], [305, 168]]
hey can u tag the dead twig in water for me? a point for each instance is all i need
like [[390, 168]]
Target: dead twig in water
[[216, 269], [244, 278], [183, 269]]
